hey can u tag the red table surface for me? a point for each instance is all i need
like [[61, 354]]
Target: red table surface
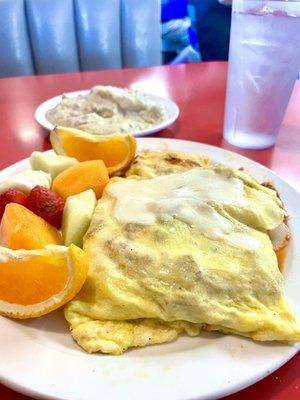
[[199, 91]]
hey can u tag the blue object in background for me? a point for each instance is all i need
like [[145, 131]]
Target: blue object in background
[[213, 28], [15, 50], [53, 36], [201, 7], [99, 33], [48, 36], [179, 37], [141, 33]]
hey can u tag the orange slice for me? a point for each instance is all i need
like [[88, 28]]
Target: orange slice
[[35, 282], [117, 151]]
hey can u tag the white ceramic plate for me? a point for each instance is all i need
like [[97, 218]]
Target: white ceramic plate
[[171, 111], [39, 357]]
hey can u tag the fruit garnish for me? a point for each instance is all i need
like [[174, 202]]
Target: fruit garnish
[[47, 204], [26, 180], [35, 282], [51, 162], [11, 196], [20, 228], [82, 176], [77, 217], [117, 151]]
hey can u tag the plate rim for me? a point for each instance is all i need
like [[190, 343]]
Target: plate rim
[[42, 108], [234, 388], [231, 388]]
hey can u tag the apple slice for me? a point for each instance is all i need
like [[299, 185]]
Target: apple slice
[[77, 217]]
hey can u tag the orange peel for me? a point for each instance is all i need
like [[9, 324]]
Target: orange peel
[[35, 282], [117, 151]]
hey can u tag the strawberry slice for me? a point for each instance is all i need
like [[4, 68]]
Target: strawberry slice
[[11, 196], [47, 204]]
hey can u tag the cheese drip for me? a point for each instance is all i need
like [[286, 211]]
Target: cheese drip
[[190, 197]]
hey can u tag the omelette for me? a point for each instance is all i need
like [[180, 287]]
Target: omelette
[[149, 164], [182, 247]]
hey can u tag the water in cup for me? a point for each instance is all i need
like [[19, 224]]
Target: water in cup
[[263, 64]]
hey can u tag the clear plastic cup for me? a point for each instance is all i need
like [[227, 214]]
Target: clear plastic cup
[[264, 60]]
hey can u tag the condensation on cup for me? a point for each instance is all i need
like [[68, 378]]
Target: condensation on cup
[[264, 61]]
